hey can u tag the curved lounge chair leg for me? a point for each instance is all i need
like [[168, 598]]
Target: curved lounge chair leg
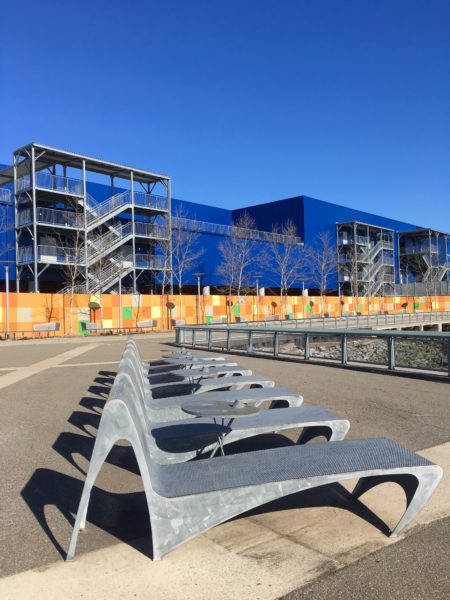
[[309, 433], [427, 483], [333, 431], [102, 447], [418, 487]]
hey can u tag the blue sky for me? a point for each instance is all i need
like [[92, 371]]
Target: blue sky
[[242, 101]]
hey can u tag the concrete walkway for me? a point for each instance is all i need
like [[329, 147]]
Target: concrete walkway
[[47, 425], [261, 556]]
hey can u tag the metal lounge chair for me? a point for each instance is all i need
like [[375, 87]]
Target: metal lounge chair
[[186, 366], [200, 386], [186, 499], [192, 375], [169, 408], [179, 436]]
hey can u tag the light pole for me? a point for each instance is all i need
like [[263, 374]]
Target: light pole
[[7, 300], [120, 300], [303, 299], [198, 275]]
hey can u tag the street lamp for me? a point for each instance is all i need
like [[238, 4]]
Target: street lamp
[[120, 300], [6, 267], [303, 299], [198, 275], [257, 277], [7, 299]]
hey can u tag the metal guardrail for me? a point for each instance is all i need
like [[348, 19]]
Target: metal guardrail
[[301, 344], [5, 196], [349, 322], [149, 230], [149, 261], [98, 210], [50, 216], [50, 254], [55, 183], [229, 230], [435, 288]]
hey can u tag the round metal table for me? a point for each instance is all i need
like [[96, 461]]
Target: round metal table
[[220, 410]]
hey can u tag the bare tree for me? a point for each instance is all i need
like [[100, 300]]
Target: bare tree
[[416, 264], [166, 274], [238, 254], [321, 263], [287, 257], [73, 249], [185, 251]]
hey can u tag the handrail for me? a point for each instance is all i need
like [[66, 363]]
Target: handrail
[[150, 230], [246, 339], [48, 253], [50, 216], [55, 183], [5, 195], [149, 261], [107, 241], [348, 321], [99, 210], [229, 230]]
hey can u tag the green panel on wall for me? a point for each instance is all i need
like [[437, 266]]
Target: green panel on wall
[[360, 307], [208, 319], [236, 310], [80, 328], [127, 312], [416, 305]]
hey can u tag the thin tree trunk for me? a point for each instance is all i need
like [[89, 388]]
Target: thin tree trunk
[[70, 314]]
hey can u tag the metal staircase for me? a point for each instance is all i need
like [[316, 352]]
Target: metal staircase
[[378, 262], [111, 240], [119, 266], [98, 213]]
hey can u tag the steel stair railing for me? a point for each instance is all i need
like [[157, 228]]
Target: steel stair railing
[[107, 243]]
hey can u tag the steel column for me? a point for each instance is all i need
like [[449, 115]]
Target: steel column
[[307, 353], [250, 342], [209, 339], [86, 269], [35, 244], [16, 235], [391, 353], [134, 228], [344, 354], [7, 300]]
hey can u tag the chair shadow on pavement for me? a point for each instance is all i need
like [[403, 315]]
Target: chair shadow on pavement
[[70, 444], [125, 515]]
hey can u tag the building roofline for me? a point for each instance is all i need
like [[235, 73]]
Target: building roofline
[[96, 164], [364, 224], [422, 230]]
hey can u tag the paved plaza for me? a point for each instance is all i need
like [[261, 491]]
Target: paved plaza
[[315, 544]]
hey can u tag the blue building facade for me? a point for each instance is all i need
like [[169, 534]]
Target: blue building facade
[[367, 245]]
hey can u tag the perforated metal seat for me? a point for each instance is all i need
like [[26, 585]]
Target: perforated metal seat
[[186, 499], [282, 464]]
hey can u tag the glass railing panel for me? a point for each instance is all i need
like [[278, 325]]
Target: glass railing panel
[[262, 342], [59, 183], [370, 349], [149, 261], [292, 344], [325, 347], [150, 201], [422, 353]]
